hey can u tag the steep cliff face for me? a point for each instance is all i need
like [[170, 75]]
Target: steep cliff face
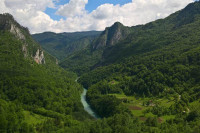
[[39, 57], [8, 24], [24, 50], [16, 31], [111, 36]]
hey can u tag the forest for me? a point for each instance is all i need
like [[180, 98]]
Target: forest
[[149, 81], [159, 70]]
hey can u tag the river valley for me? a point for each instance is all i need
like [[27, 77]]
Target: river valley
[[86, 105]]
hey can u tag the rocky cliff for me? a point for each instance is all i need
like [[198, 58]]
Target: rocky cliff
[[16, 31], [39, 57], [8, 24], [111, 36]]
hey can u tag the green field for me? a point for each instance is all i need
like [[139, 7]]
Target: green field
[[138, 105], [33, 119]]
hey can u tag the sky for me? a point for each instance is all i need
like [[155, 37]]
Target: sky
[[85, 15]]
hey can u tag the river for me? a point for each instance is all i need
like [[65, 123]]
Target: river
[[86, 105]]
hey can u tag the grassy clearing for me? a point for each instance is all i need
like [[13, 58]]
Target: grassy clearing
[[165, 102], [33, 119], [195, 106], [138, 105], [168, 117]]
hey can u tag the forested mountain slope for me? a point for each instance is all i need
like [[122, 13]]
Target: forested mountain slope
[[154, 71], [139, 79], [61, 45], [84, 60], [35, 93], [159, 41], [138, 40]]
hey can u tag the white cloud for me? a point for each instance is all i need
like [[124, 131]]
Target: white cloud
[[30, 13], [137, 12], [73, 8], [3, 8], [29, 4]]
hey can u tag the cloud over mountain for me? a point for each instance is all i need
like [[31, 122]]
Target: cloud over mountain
[[31, 13]]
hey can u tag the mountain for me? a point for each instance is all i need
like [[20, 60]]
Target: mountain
[[155, 70], [139, 79], [170, 40], [61, 45], [119, 42], [84, 60], [34, 91], [111, 36]]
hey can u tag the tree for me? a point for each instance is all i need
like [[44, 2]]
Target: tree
[[3, 123]]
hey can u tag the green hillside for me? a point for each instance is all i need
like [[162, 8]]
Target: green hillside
[[140, 79], [84, 60], [61, 45], [154, 72], [34, 91], [137, 40]]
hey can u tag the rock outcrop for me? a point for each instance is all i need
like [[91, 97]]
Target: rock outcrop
[[24, 50], [39, 57], [8, 23], [16, 31], [111, 36], [56, 61]]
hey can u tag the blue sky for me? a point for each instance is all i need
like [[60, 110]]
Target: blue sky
[[92, 5]]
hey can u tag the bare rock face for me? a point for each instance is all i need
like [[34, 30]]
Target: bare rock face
[[17, 32], [111, 36], [39, 57], [56, 61], [24, 50], [116, 37], [8, 23]]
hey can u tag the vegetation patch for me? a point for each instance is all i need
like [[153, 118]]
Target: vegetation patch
[[33, 119], [135, 108]]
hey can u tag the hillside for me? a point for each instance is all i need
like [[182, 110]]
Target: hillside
[[139, 79], [136, 40], [154, 72], [61, 45], [84, 60], [112, 35], [34, 91], [161, 41]]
